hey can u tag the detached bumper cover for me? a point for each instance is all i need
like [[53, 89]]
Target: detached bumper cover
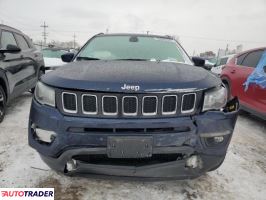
[[195, 141], [169, 170]]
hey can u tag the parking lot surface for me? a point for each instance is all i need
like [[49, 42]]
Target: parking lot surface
[[242, 175]]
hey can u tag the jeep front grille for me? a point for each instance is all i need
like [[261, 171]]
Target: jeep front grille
[[188, 103], [109, 105], [149, 105], [130, 105], [169, 104], [94, 104], [69, 102], [89, 104]]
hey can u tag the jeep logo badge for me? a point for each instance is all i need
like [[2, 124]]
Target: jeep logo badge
[[130, 87]]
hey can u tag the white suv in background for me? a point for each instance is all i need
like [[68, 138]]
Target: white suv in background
[[218, 67]]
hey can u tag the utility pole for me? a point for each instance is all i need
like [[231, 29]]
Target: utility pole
[[227, 48], [218, 54], [74, 41], [44, 33]]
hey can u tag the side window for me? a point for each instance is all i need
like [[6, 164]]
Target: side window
[[22, 43], [223, 61], [252, 59], [6, 39], [241, 58]]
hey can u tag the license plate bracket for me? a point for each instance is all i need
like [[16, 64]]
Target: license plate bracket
[[129, 147]]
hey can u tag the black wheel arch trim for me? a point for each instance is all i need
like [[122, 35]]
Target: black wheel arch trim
[[225, 79], [4, 83], [227, 82]]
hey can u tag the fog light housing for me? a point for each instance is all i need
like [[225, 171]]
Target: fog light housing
[[218, 139], [43, 135]]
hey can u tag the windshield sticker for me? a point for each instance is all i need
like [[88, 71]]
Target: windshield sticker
[[258, 76]]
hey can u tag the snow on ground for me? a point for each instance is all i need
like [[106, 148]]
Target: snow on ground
[[242, 175]]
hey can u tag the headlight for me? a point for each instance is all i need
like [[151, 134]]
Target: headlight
[[215, 99], [44, 94]]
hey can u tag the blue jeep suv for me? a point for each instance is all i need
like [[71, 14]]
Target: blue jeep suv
[[132, 105]]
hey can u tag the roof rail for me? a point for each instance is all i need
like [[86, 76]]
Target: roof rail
[[6, 26]]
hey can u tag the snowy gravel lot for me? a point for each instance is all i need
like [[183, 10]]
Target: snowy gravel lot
[[242, 175]]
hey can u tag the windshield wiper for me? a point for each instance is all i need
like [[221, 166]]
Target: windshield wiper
[[87, 58], [130, 59], [133, 59]]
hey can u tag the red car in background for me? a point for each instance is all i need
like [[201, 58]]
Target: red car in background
[[245, 77]]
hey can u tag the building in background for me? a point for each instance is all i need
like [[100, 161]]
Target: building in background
[[239, 48], [57, 44], [227, 51], [208, 55]]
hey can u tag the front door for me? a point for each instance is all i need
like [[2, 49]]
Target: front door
[[14, 65], [258, 83], [247, 91]]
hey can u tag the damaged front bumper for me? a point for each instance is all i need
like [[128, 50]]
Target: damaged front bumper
[[182, 147]]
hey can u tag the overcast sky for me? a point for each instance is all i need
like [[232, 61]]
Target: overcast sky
[[200, 24]]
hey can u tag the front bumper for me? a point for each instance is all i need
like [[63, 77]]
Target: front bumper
[[196, 140]]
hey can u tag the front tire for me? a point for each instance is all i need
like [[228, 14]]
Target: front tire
[[2, 104]]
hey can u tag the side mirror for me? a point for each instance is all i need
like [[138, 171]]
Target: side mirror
[[198, 61], [67, 57], [10, 49]]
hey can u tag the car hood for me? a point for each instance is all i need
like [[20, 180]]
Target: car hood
[[148, 76]]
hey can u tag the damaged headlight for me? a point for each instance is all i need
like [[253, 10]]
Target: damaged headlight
[[44, 94], [215, 99]]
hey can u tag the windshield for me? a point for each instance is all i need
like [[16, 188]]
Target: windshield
[[48, 53], [133, 48], [212, 60], [222, 61]]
